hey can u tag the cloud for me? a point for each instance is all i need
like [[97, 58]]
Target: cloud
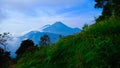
[[42, 2], [30, 6], [43, 7], [13, 45], [2, 15], [20, 16]]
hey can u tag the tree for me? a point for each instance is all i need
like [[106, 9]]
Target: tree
[[60, 36], [45, 40], [4, 54], [3, 40], [110, 8], [24, 46], [85, 26], [1, 56]]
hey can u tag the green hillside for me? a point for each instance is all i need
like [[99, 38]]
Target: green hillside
[[96, 47]]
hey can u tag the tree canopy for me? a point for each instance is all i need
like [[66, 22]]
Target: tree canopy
[[24, 46], [110, 8], [4, 54], [44, 40], [85, 26], [3, 40]]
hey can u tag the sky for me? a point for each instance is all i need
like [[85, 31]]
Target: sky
[[21, 16]]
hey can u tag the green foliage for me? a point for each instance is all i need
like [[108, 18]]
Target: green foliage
[[26, 46], [85, 26], [110, 8], [4, 54], [4, 58], [96, 47], [45, 40]]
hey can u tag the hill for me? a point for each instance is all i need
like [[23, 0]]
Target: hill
[[96, 47]]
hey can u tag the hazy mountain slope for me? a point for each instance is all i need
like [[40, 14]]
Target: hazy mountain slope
[[36, 35]]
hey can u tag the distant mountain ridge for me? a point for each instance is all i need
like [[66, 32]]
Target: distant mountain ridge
[[61, 29]]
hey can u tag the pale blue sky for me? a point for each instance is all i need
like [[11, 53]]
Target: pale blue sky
[[21, 16]]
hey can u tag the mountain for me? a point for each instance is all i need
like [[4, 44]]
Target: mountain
[[35, 36], [61, 29], [46, 26], [53, 31]]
